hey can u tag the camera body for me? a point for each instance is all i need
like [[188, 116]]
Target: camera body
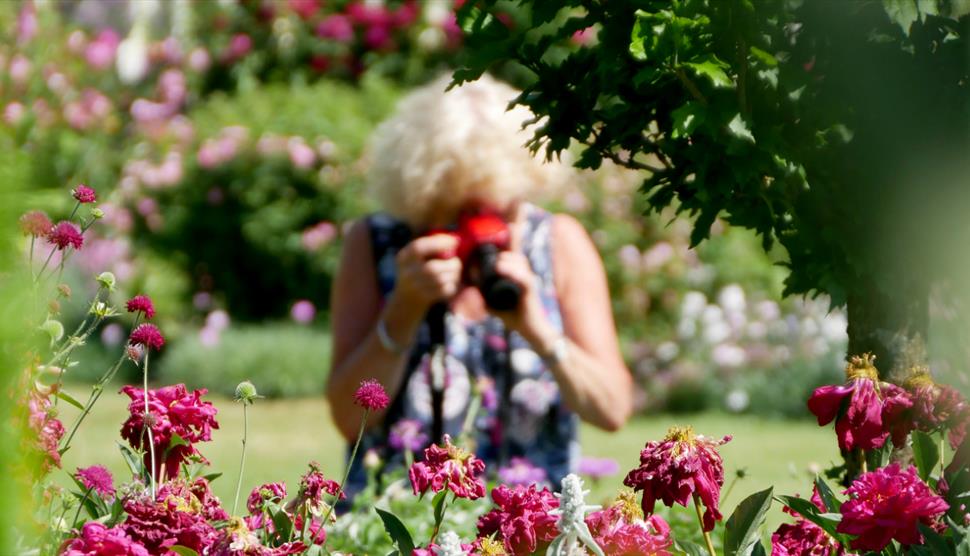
[[482, 235]]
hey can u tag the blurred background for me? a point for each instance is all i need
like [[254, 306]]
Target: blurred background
[[227, 141]]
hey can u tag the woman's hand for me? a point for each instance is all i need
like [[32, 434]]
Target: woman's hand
[[428, 271], [529, 318]]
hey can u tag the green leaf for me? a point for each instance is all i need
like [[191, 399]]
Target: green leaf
[[926, 454], [69, 399], [758, 549], [438, 503], [766, 57], [827, 521], [134, 462], [690, 548], [712, 69], [183, 550], [686, 119], [281, 521], [739, 128], [211, 477], [934, 541], [397, 531], [829, 499], [741, 529]]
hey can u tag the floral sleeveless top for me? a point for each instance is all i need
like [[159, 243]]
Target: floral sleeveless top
[[520, 413]]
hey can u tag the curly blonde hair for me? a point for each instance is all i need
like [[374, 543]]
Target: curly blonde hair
[[442, 149]]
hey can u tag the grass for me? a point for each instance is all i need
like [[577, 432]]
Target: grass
[[285, 435]]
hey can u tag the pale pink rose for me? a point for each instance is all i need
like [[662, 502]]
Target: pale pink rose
[[301, 155], [20, 68], [100, 53]]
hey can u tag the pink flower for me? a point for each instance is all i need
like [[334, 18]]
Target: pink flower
[[147, 335], [313, 485], [678, 467], [239, 45], [371, 396], [318, 235], [859, 407], [270, 492], [35, 223], [303, 311], [100, 53], [176, 516], [13, 113], [305, 8], [301, 155], [46, 428], [888, 504], [141, 304], [597, 468], [96, 478], [65, 234], [407, 434], [804, 538], [620, 529], [448, 467], [337, 27], [521, 519], [84, 194], [98, 540], [936, 407], [174, 411], [520, 471]]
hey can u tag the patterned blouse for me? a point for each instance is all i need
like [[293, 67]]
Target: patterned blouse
[[521, 414]]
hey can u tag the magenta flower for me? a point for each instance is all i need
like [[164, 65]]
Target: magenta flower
[[620, 529], [371, 396], [141, 304], [888, 504], [96, 478], [97, 539], [678, 467], [804, 537], [47, 430], [65, 234], [270, 492], [303, 311], [597, 468], [174, 411], [313, 485], [147, 335], [521, 519], [172, 518], [859, 407], [937, 406], [36, 223], [100, 53], [337, 27], [408, 434], [521, 471], [84, 194], [448, 467]]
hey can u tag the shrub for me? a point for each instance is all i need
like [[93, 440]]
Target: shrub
[[284, 360]]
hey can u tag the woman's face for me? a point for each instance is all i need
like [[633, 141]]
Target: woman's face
[[446, 212]]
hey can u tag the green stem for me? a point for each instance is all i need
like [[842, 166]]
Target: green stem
[[151, 441], [30, 256], [350, 462], [96, 392], [81, 505], [242, 457], [46, 262], [700, 521], [863, 462], [467, 425]]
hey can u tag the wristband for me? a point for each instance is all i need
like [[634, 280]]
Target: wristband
[[387, 342]]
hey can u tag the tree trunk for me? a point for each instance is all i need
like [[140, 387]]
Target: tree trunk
[[891, 328]]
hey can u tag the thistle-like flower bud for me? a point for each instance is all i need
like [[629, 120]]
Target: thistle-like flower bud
[[107, 281], [97, 213], [54, 329], [246, 392], [372, 460], [54, 307], [64, 291]]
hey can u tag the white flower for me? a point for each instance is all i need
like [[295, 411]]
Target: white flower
[[667, 351], [737, 400], [834, 326], [729, 355], [449, 544], [132, 57], [693, 305], [572, 512]]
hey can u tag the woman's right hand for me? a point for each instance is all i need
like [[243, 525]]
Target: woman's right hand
[[428, 271]]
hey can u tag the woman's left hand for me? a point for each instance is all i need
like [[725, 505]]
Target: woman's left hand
[[528, 319]]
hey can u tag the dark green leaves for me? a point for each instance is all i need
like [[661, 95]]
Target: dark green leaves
[[397, 531], [741, 529], [926, 454]]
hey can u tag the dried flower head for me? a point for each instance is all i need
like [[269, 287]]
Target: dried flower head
[[521, 520], [448, 467], [65, 234], [35, 223], [141, 304], [269, 492], [371, 396], [97, 538], [621, 530], [84, 194]]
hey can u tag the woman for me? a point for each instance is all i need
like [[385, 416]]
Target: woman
[[537, 367]]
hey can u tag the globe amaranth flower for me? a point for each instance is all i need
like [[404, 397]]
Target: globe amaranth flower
[[888, 504], [448, 467], [96, 478], [147, 335], [521, 519], [35, 223], [621, 530], [861, 407], [407, 434], [371, 396], [937, 406], [269, 492], [521, 471], [141, 304], [173, 410], [65, 234], [97, 539], [84, 194], [680, 466]]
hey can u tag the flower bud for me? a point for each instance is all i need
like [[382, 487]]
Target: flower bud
[[97, 213], [54, 307], [103, 310], [54, 329], [107, 281], [246, 392], [64, 291], [372, 460], [135, 352]]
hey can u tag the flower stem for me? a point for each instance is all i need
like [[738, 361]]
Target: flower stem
[[862, 460], [700, 521], [242, 457], [350, 462], [96, 392], [148, 427], [81, 505], [46, 262]]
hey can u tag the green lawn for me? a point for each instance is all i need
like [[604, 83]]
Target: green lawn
[[286, 434]]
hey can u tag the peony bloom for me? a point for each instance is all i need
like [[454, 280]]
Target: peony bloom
[[96, 478], [620, 529], [147, 335], [937, 406], [448, 467], [172, 518], [520, 519], [141, 304], [97, 539], [174, 411], [84, 194], [270, 492], [521, 471], [887, 504], [859, 407], [65, 234], [804, 538], [678, 467], [371, 396], [35, 223]]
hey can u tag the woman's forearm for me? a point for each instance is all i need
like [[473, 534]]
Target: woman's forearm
[[602, 398], [371, 360]]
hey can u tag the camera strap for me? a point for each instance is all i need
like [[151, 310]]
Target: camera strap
[[437, 368]]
